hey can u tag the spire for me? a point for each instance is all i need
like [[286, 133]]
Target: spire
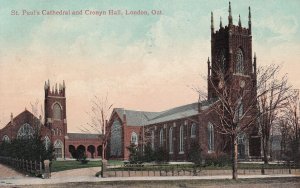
[[212, 22], [254, 63], [249, 20], [221, 22], [208, 67], [56, 88], [45, 86], [11, 118], [229, 16], [240, 23], [64, 86]]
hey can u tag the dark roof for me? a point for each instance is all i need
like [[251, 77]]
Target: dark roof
[[135, 118], [25, 116], [83, 136], [141, 118], [176, 113]]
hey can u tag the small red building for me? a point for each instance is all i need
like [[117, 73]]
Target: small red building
[[54, 127]]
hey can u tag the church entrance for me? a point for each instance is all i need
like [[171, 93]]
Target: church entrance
[[58, 149]]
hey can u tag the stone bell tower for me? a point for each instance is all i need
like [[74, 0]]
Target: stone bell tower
[[231, 57], [55, 116]]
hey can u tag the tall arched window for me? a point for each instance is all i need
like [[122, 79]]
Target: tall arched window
[[239, 61], [47, 142], [193, 130], [5, 139], [58, 149], [25, 132], [152, 140], [211, 143], [161, 137], [171, 140], [57, 112], [116, 139], [181, 139], [134, 138]]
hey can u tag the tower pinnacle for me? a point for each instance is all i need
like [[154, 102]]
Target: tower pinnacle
[[212, 22], [249, 20], [229, 16], [221, 25]]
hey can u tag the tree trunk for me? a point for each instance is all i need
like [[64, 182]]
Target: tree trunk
[[103, 151], [265, 150], [234, 157]]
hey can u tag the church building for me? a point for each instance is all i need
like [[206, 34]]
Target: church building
[[53, 128], [174, 130]]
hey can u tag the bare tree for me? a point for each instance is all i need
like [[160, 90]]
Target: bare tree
[[273, 92], [38, 119], [290, 133], [98, 115], [242, 102]]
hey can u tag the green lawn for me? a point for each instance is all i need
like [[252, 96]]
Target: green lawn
[[68, 165]]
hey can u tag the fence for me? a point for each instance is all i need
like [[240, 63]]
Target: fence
[[192, 170], [32, 167]]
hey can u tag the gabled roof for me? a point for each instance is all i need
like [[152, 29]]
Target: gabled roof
[[28, 117], [141, 118], [135, 118], [176, 113]]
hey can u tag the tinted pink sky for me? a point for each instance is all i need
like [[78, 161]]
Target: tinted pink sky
[[143, 62]]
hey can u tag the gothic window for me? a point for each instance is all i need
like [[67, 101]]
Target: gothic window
[[57, 112], [152, 140], [221, 61], [239, 62], [47, 142], [211, 143], [239, 111], [193, 130], [53, 132], [241, 140], [25, 132], [181, 139], [5, 139], [116, 139], [161, 137], [58, 149], [171, 140], [134, 138]]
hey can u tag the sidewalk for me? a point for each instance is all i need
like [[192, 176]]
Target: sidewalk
[[58, 180]]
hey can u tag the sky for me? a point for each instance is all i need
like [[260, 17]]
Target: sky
[[142, 62]]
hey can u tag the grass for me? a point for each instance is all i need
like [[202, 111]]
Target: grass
[[68, 165], [115, 162], [190, 166]]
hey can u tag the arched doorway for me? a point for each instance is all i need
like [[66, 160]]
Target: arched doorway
[[80, 151], [92, 150], [72, 150], [58, 149]]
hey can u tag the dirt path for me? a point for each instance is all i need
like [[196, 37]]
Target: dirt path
[[6, 172], [90, 172]]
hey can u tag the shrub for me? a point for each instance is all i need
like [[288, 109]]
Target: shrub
[[217, 159], [195, 153], [134, 154], [161, 155]]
